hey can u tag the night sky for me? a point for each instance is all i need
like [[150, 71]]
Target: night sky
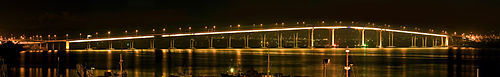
[[59, 16]]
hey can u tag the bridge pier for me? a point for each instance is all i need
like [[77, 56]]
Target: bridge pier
[[263, 43], [426, 41], [333, 38], [363, 38], [191, 43], [132, 44], [416, 39], [111, 45], [412, 41], [423, 42], [246, 41], [434, 43], [391, 39], [442, 42], [152, 43], [380, 39], [40, 45], [53, 46], [172, 45], [312, 38], [67, 45], [296, 37], [88, 46], [229, 41], [447, 41], [280, 40], [211, 41]]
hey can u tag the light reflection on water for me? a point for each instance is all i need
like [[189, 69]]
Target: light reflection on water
[[399, 62]]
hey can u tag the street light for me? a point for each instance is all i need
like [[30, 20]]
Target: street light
[[164, 30], [136, 31], [213, 29], [96, 34], [180, 29], [239, 26], [109, 33], [126, 32], [206, 28], [153, 31], [189, 29], [67, 35]]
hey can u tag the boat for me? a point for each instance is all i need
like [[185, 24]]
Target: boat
[[82, 71]]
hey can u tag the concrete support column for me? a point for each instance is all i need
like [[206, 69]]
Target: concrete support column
[[172, 43], [412, 40], [442, 41], [263, 44], [333, 38], [380, 39], [389, 35], [211, 41], [296, 37], [392, 39], [191, 43], [433, 42], [363, 38], [425, 41], [312, 38], [447, 41], [132, 44], [152, 43], [110, 45], [246, 41], [67, 45], [280, 40], [53, 46], [88, 45], [416, 39], [40, 45], [229, 42]]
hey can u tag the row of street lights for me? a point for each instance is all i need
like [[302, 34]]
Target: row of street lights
[[214, 28]]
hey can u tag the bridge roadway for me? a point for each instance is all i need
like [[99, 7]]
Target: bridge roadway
[[444, 38]]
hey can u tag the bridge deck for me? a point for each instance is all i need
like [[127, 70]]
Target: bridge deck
[[258, 30]]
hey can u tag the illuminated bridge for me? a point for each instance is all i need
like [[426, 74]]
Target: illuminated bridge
[[293, 37]]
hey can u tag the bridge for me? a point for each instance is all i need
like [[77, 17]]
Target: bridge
[[291, 37]]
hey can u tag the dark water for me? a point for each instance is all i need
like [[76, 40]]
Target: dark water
[[371, 62]]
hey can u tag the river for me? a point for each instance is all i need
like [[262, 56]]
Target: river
[[366, 62]]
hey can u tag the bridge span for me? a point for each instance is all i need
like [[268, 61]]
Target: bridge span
[[418, 39]]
